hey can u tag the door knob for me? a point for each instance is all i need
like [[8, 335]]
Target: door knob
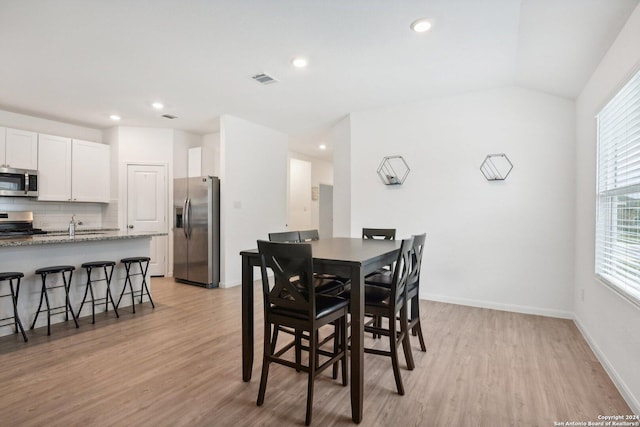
[[130, 225]]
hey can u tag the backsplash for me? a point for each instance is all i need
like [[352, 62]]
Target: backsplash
[[56, 215]]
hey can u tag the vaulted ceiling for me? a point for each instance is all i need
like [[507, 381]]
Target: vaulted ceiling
[[79, 61]]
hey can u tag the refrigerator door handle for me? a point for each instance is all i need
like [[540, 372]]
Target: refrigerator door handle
[[189, 218], [185, 218]]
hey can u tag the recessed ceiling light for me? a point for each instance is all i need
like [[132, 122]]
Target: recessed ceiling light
[[158, 105], [421, 25], [299, 62], [322, 146], [115, 117]]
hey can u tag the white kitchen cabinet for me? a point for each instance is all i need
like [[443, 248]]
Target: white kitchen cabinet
[[73, 170], [90, 171], [54, 173], [18, 149]]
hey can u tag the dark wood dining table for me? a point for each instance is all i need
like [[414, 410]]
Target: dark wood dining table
[[346, 257]]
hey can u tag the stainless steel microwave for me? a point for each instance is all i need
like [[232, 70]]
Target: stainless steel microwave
[[18, 182]]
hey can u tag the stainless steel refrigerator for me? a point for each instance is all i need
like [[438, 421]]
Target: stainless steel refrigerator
[[196, 231]]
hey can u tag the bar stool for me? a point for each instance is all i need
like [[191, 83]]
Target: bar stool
[[89, 266], [43, 272], [143, 287], [11, 276]]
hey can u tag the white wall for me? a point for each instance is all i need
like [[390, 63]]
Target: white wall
[[253, 186], [211, 154], [609, 322], [505, 245], [342, 170], [182, 141]]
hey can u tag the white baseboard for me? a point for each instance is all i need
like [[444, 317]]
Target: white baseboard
[[627, 395], [498, 306]]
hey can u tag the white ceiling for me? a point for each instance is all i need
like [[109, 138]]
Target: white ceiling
[[79, 61]]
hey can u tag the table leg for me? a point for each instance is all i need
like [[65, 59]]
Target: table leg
[[247, 318], [357, 343]]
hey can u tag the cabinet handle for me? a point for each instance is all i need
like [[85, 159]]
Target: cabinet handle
[[131, 226]]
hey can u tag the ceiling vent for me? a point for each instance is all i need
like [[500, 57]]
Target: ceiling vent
[[264, 79], [169, 116]]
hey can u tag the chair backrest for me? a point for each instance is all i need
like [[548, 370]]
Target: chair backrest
[[309, 235], [401, 274], [379, 233], [416, 258], [292, 286], [285, 237]]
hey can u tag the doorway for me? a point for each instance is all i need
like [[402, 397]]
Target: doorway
[[326, 211], [147, 209], [299, 195]]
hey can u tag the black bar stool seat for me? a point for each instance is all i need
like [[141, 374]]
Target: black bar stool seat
[[108, 274], [11, 276], [143, 263], [44, 272]]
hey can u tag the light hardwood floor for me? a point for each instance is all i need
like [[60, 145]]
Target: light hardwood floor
[[179, 365]]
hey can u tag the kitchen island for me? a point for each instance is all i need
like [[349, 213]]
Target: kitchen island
[[27, 254]]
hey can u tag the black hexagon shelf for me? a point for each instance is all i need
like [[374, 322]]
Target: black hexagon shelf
[[393, 170], [496, 167]]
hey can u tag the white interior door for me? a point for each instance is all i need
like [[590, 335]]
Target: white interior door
[[299, 195], [147, 209]]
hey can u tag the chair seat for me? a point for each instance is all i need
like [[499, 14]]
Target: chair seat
[[55, 269], [328, 286], [10, 275], [135, 259], [383, 280], [96, 264], [325, 304]]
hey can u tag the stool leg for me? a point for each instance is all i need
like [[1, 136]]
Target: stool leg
[[93, 299], [127, 279], [46, 300], [14, 298], [86, 290], [42, 293], [109, 296], [67, 285], [144, 284]]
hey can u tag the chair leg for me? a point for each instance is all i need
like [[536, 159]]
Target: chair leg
[[393, 341], [14, 298], [337, 345], [406, 344], [343, 347], [298, 339], [415, 321], [67, 285], [265, 363], [313, 340], [42, 294]]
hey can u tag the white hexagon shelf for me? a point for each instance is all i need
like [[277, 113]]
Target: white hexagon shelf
[[496, 167], [393, 170]]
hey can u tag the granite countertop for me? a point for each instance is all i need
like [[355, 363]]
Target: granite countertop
[[81, 236]]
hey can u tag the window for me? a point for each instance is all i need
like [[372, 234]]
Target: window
[[618, 211]]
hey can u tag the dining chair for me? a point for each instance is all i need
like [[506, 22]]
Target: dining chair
[[309, 235], [290, 300], [379, 233], [384, 280], [391, 303], [285, 237]]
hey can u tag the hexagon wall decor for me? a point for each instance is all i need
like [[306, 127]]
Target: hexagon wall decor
[[496, 167], [393, 170]]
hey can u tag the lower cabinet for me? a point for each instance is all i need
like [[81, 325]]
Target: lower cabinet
[[73, 170]]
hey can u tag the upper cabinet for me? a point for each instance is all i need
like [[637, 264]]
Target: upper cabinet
[[73, 170], [90, 171], [18, 149], [54, 173]]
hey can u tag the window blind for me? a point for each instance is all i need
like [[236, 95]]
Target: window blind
[[618, 210]]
